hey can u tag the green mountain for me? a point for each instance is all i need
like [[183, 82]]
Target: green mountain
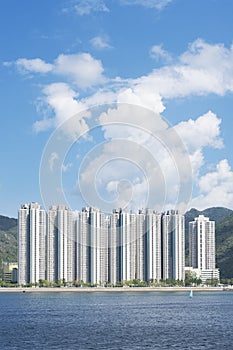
[[216, 214], [8, 239], [224, 246]]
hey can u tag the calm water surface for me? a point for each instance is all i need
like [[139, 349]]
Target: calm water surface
[[116, 321]]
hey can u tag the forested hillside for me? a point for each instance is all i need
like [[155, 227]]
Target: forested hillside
[[8, 239]]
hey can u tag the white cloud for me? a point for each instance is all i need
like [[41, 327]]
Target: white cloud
[[121, 174], [130, 122], [143, 96], [66, 167], [199, 134], [143, 152], [100, 42], [216, 188], [43, 124], [145, 132], [53, 158], [157, 52], [61, 99], [202, 132], [157, 4], [223, 174], [201, 70], [82, 68], [85, 7], [197, 161], [35, 65]]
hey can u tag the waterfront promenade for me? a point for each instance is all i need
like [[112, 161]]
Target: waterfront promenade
[[112, 289]]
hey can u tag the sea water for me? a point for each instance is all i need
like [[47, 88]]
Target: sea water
[[116, 320]]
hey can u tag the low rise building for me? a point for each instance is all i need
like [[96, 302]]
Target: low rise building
[[10, 272]]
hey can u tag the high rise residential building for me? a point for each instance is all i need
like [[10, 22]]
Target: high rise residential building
[[133, 245], [98, 247], [83, 246], [95, 249], [60, 244], [92, 246], [153, 245], [173, 249], [113, 247], [125, 241], [31, 243], [202, 247], [202, 243], [140, 246]]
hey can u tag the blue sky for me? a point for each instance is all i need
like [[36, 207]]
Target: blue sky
[[170, 57]]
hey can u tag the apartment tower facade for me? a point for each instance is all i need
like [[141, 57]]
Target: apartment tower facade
[[202, 247], [31, 243], [91, 248]]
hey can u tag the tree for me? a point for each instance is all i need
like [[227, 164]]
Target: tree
[[212, 282], [191, 279]]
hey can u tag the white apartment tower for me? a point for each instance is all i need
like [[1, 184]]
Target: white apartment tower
[[31, 243], [121, 246], [140, 246], [113, 247], [98, 247], [202, 243], [83, 246], [133, 245], [153, 245], [173, 249], [60, 244], [126, 238], [124, 246], [92, 246]]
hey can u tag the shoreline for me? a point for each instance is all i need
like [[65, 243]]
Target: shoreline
[[111, 289]]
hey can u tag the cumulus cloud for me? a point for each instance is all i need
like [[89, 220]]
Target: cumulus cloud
[[178, 153], [143, 96], [199, 134], [157, 52], [201, 70], [202, 132], [82, 68], [100, 42], [216, 188], [35, 65], [131, 122], [120, 174], [62, 100], [142, 155]]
